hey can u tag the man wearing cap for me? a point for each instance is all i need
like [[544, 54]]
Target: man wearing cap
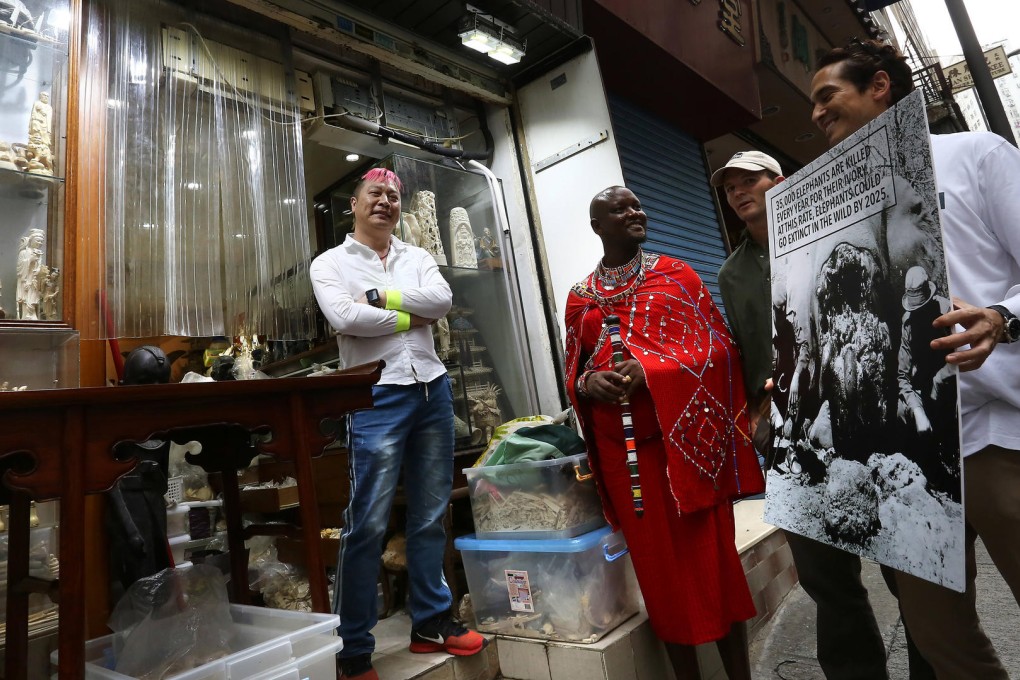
[[927, 404], [744, 279], [745, 283], [849, 643]]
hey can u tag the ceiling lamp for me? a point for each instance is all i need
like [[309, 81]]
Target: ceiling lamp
[[509, 50], [486, 34]]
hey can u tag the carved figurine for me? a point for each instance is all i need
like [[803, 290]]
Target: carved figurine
[[485, 412], [7, 156], [40, 158], [412, 232], [423, 205], [20, 156], [41, 122], [40, 136], [487, 244], [30, 266], [463, 239], [51, 294], [442, 333]]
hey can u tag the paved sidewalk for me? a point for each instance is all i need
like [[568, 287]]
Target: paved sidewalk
[[785, 648]]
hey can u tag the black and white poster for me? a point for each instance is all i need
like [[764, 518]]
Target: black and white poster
[[867, 446]]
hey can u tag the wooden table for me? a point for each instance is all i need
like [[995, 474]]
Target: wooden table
[[58, 445]]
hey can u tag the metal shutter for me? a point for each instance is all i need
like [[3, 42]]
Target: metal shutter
[[665, 168]]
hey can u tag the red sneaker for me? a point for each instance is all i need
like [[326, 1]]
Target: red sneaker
[[443, 634]]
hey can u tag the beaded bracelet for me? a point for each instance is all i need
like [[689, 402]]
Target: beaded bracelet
[[581, 385]]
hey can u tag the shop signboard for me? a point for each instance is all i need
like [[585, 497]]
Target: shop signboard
[[959, 75]]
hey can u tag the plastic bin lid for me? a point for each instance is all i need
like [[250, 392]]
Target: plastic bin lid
[[508, 468], [559, 545]]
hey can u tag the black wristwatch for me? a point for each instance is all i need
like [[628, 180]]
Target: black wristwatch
[[1011, 330], [372, 295]]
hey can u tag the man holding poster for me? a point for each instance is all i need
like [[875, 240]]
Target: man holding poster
[[849, 644], [978, 199]]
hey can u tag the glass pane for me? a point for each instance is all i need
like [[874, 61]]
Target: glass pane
[[449, 212], [33, 86]]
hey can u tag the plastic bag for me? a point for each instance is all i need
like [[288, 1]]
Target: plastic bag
[[171, 622], [282, 585]]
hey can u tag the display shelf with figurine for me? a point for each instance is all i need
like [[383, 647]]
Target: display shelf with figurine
[[34, 54]]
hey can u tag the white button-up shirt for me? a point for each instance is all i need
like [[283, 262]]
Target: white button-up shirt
[[342, 274], [978, 177]]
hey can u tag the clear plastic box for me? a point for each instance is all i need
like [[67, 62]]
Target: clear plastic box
[[546, 499], [316, 660], [573, 589], [264, 640]]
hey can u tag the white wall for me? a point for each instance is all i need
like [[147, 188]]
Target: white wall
[[536, 332], [554, 120]]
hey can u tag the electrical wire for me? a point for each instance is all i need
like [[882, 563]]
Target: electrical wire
[[243, 97]]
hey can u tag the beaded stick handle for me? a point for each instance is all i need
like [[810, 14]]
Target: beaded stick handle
[[612, 324]]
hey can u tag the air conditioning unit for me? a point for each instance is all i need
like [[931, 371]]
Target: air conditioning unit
[[336, 95]]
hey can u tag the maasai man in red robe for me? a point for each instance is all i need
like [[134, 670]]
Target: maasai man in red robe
[[680, 372]]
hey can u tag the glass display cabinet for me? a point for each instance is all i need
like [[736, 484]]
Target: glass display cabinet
[[38, 359], [33, 104], [452, 212]]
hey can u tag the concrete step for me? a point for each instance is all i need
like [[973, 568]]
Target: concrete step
[[393, 661]]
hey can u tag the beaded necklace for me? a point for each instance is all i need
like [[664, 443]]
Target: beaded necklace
[[630, 276], [611, 277]]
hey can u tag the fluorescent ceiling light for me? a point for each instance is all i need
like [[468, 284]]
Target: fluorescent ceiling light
[[485, 34], [506, 54], [477, 40]]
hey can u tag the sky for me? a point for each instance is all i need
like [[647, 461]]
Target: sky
[[995, 22]]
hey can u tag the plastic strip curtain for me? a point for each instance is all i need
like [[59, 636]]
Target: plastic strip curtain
[[199, 185]]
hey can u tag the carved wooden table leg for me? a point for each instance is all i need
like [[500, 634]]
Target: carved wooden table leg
[[18, 533]]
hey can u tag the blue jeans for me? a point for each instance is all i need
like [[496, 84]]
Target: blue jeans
[[409, 426]]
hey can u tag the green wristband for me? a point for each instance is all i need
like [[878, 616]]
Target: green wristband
[[393, 299], [403, 321]]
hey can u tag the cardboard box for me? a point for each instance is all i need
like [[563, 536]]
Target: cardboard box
[[269, 499]]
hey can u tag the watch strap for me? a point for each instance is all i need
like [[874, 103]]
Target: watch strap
[[1011, 328]]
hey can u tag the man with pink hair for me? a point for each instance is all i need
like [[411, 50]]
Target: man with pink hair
[[381, 295]]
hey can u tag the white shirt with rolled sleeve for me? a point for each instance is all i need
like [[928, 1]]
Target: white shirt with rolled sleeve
[[978, 177], [341, 275]]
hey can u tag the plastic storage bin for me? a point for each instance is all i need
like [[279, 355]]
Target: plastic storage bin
[[177, 520], [545, 499], [316, 660], [573, 589], [264, 640]]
